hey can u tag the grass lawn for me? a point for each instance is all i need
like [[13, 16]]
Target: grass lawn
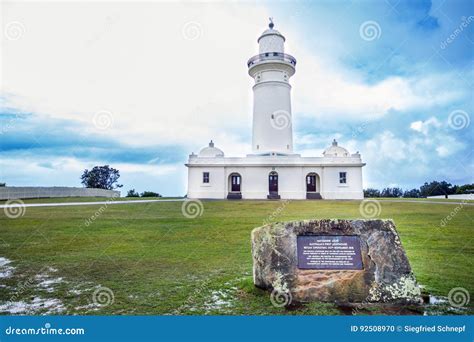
[[155, 260], [424, 199], [87, 199]]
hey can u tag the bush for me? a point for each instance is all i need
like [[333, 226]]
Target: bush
[[150, 194]]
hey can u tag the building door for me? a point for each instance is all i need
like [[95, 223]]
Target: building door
[[273, 182], [311, 183], [235, 183]]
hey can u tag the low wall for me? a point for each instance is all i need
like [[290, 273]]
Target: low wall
[[458, 197], [13, 192]]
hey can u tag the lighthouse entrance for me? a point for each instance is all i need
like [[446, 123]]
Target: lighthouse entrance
[[273, 186], [235, 182]]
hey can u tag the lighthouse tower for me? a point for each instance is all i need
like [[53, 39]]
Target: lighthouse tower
[[271, 70]]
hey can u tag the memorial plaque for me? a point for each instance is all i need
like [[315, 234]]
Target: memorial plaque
[[334, 260], [329, 252]]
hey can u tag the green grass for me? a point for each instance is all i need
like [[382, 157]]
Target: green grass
[[424, 199], [87, 199], [157, 261]]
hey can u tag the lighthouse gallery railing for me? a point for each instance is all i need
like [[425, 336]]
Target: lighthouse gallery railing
[[271, 56]]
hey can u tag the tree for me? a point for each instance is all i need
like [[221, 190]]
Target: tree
[[465, 189], [392, 192], [101, 177], [370, 192], [132, 193], [413, 193], [436, 188]]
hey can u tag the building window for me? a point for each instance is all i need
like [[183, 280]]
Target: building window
[[342, 177], [205, 177]]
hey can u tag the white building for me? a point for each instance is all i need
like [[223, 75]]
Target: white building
[[273, 170]]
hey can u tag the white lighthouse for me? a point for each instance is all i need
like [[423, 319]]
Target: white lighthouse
[[271, 69], [273, 170]]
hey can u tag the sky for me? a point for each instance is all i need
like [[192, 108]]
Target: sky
[[141, 85]]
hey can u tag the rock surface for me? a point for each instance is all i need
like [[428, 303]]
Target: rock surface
[[386, 275]]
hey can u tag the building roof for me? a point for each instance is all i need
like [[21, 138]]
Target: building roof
[[336, 151], [211, 151]]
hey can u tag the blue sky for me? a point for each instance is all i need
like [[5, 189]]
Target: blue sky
[[140, 86]]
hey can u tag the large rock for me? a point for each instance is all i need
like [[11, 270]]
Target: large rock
[[385, 276]]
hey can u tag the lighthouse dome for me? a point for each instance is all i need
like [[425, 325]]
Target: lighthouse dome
[[211, 151], [336, 151], [271, 40]]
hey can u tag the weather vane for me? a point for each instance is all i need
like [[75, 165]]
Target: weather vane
[[271, 23]]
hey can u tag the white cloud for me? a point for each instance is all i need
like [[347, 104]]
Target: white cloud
[[323, 88], [443, 151], [386, 146], [424, 126], [134, 60], [390, 157]]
